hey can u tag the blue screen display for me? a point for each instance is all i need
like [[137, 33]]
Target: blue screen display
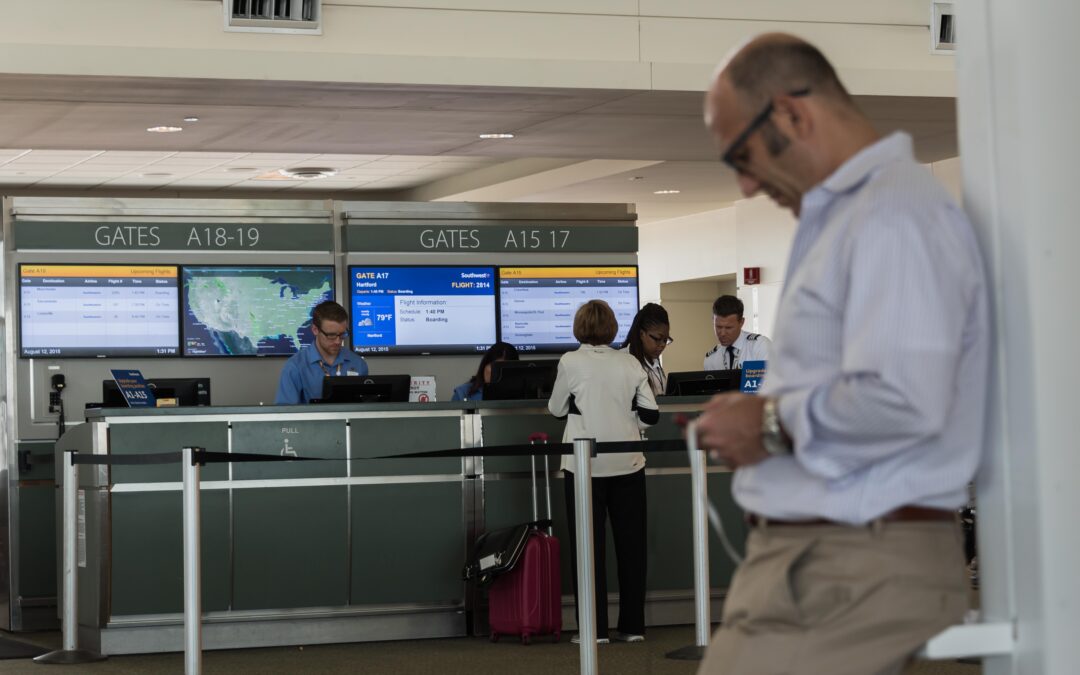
[[422, 310]]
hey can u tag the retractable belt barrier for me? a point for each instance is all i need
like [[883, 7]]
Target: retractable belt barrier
[[193, 458], [203, 457]]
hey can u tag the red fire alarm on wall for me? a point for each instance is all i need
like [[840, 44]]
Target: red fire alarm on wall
[[751, 276]]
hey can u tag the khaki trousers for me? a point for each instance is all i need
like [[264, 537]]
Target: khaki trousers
[[836, 600]]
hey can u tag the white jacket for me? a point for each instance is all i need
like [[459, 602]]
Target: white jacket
[[604, 384]]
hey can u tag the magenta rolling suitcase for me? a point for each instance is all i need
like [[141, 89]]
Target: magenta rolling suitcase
[[527, 600]]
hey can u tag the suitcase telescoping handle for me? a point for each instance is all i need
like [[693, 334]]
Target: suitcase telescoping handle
[[534, 438]]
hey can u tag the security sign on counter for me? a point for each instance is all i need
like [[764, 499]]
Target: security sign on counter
[[422, 389]]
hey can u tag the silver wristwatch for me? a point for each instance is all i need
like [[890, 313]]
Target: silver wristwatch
[[772, 435]]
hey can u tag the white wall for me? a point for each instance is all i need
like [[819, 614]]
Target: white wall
[[763, 234], [693, 247], [879, 46], [751, 233]]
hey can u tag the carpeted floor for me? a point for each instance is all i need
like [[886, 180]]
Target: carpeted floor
[[11, 648], [458, 656]]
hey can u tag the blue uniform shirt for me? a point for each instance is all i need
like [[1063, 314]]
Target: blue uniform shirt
[[461, 393], [302, 376]]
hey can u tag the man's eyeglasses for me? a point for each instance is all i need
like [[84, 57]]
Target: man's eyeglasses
[[335, 336], [729, 156], [662, 340]]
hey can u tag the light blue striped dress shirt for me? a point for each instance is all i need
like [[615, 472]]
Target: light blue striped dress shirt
[[881, 348]]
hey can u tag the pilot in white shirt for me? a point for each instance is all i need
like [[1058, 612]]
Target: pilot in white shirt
[[736, 346]]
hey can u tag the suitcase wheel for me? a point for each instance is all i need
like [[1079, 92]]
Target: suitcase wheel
[[558, 637], [525, 639], [494, 637]]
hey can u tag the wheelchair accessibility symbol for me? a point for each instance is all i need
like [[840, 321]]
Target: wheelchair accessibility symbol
[[287, 451]]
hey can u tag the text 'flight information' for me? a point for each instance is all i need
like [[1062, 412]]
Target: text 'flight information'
[[537, 304], [422, 310], [99, 310]]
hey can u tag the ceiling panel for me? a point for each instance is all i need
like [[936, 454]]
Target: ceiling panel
[[66, 131]]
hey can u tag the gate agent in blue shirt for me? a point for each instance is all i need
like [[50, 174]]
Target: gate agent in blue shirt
[[302, 377]]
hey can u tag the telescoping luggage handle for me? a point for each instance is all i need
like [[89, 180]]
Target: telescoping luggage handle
[[534, 438]]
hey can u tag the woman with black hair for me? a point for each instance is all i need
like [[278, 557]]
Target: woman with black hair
[[646, 340], [473, 390]]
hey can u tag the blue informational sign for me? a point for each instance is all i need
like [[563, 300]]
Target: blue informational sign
[[422, 310], [753, 373], [134, 388]]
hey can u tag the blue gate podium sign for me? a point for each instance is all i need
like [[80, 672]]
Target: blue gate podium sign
[[753, 372], [136, 392]]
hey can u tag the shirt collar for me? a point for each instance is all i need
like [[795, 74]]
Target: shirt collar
[[858, 167], [740, 342], [314, 356], [596, 348]]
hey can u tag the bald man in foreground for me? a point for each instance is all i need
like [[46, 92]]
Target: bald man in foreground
[[853, 461]]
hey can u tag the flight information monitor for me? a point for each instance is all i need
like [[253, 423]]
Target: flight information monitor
[[422, 310], [537, 304], [251, 311], [98, 310]]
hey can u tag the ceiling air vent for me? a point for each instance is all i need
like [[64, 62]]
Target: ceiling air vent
[[942, 28], [303, 17]]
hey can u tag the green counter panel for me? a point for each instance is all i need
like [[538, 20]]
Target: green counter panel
[[377, 437], [408, 543], [37, 540], [300, 438], [148, 548], [141, 439], [671, 562], [290, 547], [666, 429], [42, 460], [512, 429]]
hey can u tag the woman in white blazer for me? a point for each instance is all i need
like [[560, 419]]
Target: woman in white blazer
[[605, 394]]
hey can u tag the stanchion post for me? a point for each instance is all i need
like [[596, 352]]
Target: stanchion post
[[584, 449], [192, 580], [69, 620], [699, 508]]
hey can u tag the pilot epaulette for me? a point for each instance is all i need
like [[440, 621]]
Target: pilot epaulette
[[753, 336], [712, 351]]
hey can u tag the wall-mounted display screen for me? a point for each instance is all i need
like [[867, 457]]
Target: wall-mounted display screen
[[537, 304], [98, 310], [251, 310], [422, 310]]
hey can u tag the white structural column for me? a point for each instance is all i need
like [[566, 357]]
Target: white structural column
[[1019, 122]]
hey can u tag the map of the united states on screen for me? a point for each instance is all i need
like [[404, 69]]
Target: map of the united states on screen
[[251, 311]]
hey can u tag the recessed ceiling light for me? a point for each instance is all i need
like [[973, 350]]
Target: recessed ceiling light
[[164, 130], [487, 136], [666, 192], [240, 169], [308, 172], [156, 174], [191, 119]]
